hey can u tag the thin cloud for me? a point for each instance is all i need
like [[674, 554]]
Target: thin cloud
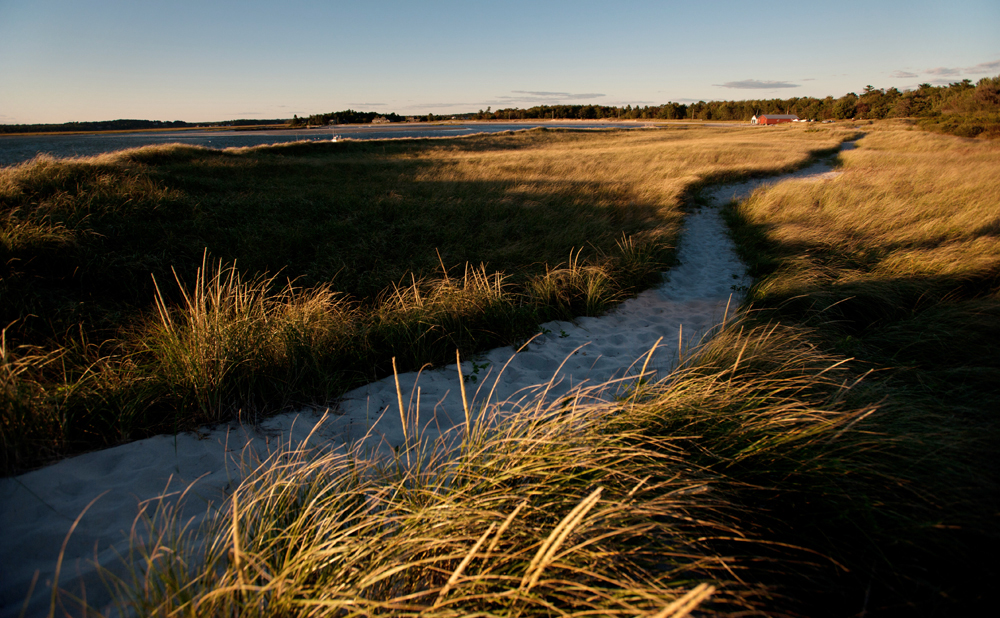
[[753, 84], [559, 95], [943, 71], [437, 105], [541, 93], [979, 69], [544, 97], [902, 75], [985, 67]]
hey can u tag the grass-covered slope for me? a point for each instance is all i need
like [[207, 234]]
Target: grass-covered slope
[[830, 453], [761, 479], [324, 261], [895, 264], [899, 258]]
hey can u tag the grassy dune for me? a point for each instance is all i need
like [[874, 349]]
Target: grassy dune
[[899, 258], [830, 453], [159, 288], [634, 508], [895, 264]]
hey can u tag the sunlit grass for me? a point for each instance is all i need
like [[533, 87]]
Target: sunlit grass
[[405, 248], [896, 262], [231, 333], [907, 204], [588, 504], [831, 452]]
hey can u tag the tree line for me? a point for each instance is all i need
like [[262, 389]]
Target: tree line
[[102, 125], [961, 107], [667, 111], [348, 116], [872, 104]]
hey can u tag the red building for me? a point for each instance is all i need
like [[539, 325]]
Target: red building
[[773, 118]]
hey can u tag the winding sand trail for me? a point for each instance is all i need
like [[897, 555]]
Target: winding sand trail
[[37, 509]]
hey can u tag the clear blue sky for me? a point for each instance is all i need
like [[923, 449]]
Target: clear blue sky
[[77, 60]]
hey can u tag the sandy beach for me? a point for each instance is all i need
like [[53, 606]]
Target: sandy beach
[[38, 509]]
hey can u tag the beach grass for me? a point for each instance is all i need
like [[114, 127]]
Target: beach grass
[[588, 504], [831, 452], [179, 285], [895, 263]]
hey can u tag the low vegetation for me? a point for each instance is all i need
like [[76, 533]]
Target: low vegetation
[[323, 262], [895, 264], [830, 452], [582, 507], [767, 476]]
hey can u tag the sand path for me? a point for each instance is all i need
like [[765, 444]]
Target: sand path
[[37, 509]]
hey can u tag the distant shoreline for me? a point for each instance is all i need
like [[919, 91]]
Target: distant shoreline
[[255, 128], [25, 146], [154, 130]]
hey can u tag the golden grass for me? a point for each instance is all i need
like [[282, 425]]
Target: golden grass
[[896, 264], [561, 223], [580, 506], [654, 166], [906, 204], [772, 471], [229, 332]]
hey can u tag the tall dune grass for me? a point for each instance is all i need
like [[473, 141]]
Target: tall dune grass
[[433, 317], [830, 453], [26, 417], [582, 506], [230, 335], [908, 204]]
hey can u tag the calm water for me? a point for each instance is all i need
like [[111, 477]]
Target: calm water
[[17, 149]]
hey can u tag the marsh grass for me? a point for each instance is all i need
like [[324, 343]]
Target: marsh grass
[[721, 486], [434, 316], [831, 452], [558, 224], [26, 418], [909, 227]]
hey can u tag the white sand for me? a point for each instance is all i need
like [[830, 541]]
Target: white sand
[[37, 509]]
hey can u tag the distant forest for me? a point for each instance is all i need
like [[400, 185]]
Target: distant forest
[[962, 108], [348, 116]]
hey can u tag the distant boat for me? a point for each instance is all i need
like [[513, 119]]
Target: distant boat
[[336, 138]]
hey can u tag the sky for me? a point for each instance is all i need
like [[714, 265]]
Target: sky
[[207, 60]]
